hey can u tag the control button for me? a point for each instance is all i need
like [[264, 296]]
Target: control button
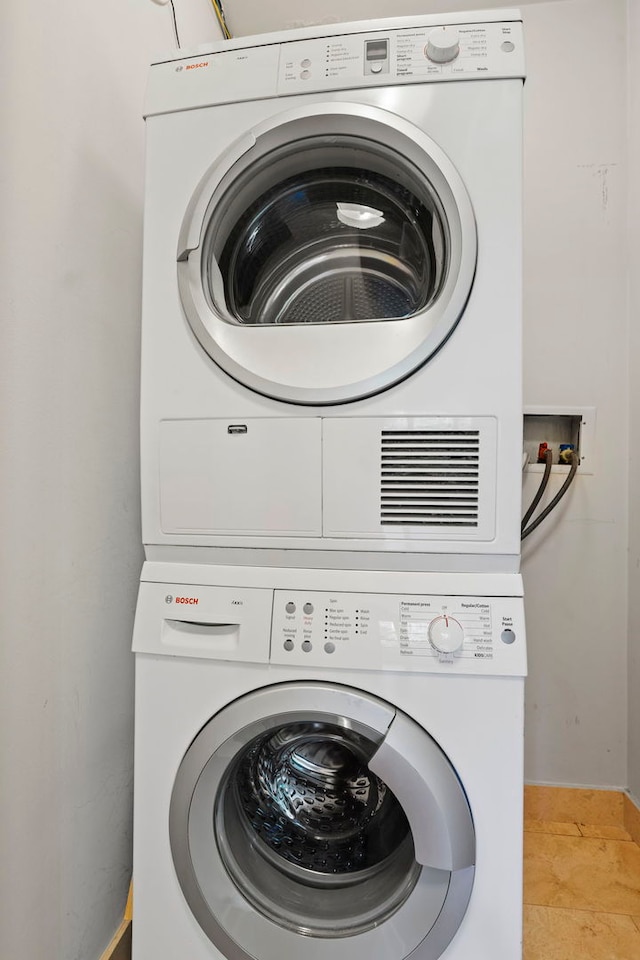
[[307, 645], [508, 636], [308, 608], [329, 647], [305, 74], [443, 45], [376, 68], [445, 634], [305, 63], [288, 644], [508, 46], [290, 607]]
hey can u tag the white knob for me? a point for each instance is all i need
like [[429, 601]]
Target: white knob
[[445, 634], [443, 45]]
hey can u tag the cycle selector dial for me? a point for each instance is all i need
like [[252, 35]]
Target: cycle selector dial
[[443, 45], [446, 635]]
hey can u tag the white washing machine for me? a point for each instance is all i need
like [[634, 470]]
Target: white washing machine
[[332, 296], [328, 765]]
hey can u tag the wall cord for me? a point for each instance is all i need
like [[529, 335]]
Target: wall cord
[[175, 24], [219, 12]]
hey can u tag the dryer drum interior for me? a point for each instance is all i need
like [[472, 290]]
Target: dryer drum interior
[[332, 218], [326, 230]]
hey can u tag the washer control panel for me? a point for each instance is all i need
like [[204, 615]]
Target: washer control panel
[[385, 631]]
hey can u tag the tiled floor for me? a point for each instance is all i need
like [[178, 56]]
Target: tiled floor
[[582, 876]]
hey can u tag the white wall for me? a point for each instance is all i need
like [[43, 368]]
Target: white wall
[[72, 77], [575, 353], [634, 380], [246, 17]]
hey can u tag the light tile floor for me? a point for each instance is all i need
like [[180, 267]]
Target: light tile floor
[[581, 884]]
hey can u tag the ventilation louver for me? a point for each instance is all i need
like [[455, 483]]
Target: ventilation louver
[[430, 478]]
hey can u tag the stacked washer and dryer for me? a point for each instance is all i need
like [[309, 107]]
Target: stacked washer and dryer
[[329, 640]]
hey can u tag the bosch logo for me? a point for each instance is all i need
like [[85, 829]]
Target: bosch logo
[[196, 66], [187, 600], [168, 598]]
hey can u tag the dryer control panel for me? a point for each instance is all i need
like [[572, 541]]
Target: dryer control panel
[[420, 54], [389, 52], [468, 635]]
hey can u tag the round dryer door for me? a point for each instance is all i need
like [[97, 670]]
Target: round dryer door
[[311, 819], [327, 255]]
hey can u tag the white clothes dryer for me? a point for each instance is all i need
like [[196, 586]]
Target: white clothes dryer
[[328, 765], [332, 295]]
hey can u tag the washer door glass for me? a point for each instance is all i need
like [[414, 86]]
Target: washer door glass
[[303, 798], [310, 810], [327, 254], [340, 231]]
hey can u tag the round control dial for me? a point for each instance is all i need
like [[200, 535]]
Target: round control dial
[[445, 634], [443, 45]]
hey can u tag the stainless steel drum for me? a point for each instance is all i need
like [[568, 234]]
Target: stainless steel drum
[[333, 245], [319, 812], [299, 810]]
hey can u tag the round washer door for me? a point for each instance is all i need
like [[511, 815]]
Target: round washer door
[[313, 819], [327, 254]]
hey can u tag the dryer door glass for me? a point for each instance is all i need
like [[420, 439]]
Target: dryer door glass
[[315, 811], [329, 230], [327, 254]]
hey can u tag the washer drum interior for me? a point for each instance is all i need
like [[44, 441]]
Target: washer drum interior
[[341, 824]]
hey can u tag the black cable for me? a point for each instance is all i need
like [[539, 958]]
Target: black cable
[[558, 497], [175, 24], [548, 459]]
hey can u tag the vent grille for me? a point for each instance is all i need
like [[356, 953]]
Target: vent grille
[[430, 478]]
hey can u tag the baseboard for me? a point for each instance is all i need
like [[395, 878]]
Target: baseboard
[[120, 946], [632, 817]]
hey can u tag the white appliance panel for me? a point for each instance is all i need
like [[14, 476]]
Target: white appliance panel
[[475, 373], [251, 68], [331, 629], [250, 476], [473, 722]]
